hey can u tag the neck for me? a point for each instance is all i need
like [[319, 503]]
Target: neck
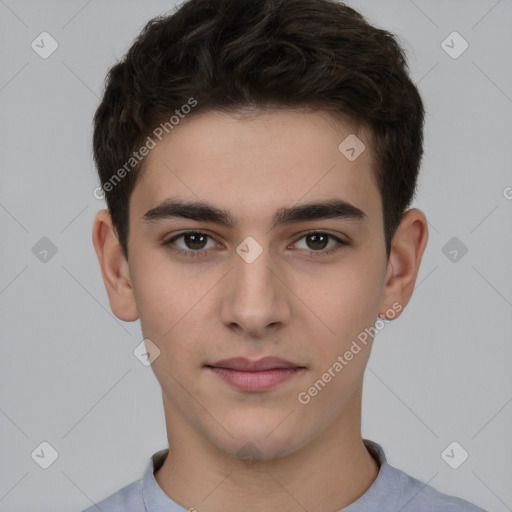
[[331, 472]]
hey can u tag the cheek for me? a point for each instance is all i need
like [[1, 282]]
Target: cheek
[[350, 310], [169, 301], [160, 293], [350, 299]]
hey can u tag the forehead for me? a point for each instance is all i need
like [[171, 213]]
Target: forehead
[[254, 165]]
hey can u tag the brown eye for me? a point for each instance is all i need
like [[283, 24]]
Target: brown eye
[[194, 244], [318, 243], [194, 241]]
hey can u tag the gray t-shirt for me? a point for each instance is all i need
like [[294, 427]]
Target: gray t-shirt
[[392, 491]]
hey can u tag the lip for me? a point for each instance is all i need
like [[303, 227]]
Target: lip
[[255, 376], [248, 365]]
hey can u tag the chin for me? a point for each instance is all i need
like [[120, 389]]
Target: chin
[[261, 441], [254, 450]]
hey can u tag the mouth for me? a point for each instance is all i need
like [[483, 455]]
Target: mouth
[[254, 376]]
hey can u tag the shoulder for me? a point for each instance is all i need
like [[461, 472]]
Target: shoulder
[[417, 496], [131, 498], [127, 499], [395, 490]]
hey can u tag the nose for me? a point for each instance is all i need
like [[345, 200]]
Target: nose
[[256, 299]]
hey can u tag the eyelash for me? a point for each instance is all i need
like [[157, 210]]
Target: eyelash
[[204, 252]]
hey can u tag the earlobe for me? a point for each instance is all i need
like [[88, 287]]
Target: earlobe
[[407, 250], [114, 268]]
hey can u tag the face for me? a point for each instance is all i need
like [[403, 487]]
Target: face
[[278, 280]]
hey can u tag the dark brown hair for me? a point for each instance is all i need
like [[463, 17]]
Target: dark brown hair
[[234, 55]]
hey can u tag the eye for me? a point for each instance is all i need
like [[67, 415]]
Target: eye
[[195, 244], [317, 242]]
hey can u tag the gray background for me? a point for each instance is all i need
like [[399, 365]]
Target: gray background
[[440, 373]]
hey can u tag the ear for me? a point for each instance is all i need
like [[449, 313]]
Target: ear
[[114, 268], [407, 249]]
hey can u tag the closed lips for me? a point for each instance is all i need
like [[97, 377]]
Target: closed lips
[[246, 365]]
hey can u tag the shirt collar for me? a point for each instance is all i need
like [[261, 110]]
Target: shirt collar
[[153, 497], [384, 493]]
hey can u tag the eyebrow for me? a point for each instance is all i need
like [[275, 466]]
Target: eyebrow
[[204, 212]]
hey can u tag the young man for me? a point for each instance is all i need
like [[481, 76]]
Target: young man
[[258, 159]]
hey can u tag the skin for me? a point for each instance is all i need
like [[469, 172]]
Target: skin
[[290, 302]]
